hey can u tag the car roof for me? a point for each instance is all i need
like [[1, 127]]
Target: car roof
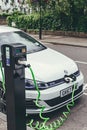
[[4, 28]]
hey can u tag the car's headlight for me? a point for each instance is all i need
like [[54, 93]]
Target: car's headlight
[[29, 84]]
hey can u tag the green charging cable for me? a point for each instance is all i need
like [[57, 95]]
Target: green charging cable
[[56, 124], [3, 77], [37, 104]]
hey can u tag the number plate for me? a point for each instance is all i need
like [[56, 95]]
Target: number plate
[[66, 91]]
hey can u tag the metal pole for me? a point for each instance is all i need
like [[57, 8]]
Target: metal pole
[[40, 29]]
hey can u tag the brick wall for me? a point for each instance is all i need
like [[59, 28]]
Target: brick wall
[[2, 21], [62, 33]]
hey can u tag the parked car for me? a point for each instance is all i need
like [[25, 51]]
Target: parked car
[[55, 73]]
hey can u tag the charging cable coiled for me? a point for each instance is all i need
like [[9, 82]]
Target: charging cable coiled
[[38, 125]]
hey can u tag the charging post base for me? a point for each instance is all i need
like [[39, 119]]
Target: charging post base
[[15, 85]]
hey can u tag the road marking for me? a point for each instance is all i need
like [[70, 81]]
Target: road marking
[[85, 94], [81, 62], [85, 86]]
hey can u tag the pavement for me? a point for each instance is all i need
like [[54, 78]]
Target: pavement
[[3, 122], [58, 40], [63, 40]]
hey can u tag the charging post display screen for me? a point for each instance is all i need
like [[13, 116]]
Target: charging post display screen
[[7, 56], [20, 51]]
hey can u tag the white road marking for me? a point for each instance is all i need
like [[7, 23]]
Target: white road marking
[[85, 86], [81, 62], [85, 94]]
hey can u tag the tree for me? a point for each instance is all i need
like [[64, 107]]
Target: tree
[[35, 4]]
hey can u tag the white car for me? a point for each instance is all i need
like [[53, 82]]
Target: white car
[[55, 73]]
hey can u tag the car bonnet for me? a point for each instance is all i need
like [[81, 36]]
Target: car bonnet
[[49, 65]]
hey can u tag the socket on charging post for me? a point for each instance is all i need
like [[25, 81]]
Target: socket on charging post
[[15, 85]]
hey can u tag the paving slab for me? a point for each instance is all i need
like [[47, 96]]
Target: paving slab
[[3, 122]]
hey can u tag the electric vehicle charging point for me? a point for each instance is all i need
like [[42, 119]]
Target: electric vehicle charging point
[[15, 85]]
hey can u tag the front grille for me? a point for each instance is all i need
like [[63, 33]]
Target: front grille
[[77, 73], [52, 83], [61, 81], [56, 82], [59, 100]]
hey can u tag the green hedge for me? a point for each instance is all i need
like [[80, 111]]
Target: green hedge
[[24, 21], [4, 15], [50, 21]]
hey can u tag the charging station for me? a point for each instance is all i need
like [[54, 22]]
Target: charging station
[[15, 85]]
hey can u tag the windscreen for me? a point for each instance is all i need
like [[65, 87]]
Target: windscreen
[[20, 37]]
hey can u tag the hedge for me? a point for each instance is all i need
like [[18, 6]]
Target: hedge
[[50, 21]]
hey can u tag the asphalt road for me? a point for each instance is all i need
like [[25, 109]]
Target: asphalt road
[[77, 120]]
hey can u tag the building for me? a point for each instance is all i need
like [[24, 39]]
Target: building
[[9, 6]]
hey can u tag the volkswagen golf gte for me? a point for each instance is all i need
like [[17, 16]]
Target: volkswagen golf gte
[[55, 73]]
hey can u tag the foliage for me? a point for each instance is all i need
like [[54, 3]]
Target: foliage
[[67, 15], [4, 15], [24, 21]]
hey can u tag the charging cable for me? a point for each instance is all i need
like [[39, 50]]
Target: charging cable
[[42, 125], [3, 77], [37, 104], [2, 89]]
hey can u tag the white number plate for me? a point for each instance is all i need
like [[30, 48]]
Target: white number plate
[[66, 91]]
